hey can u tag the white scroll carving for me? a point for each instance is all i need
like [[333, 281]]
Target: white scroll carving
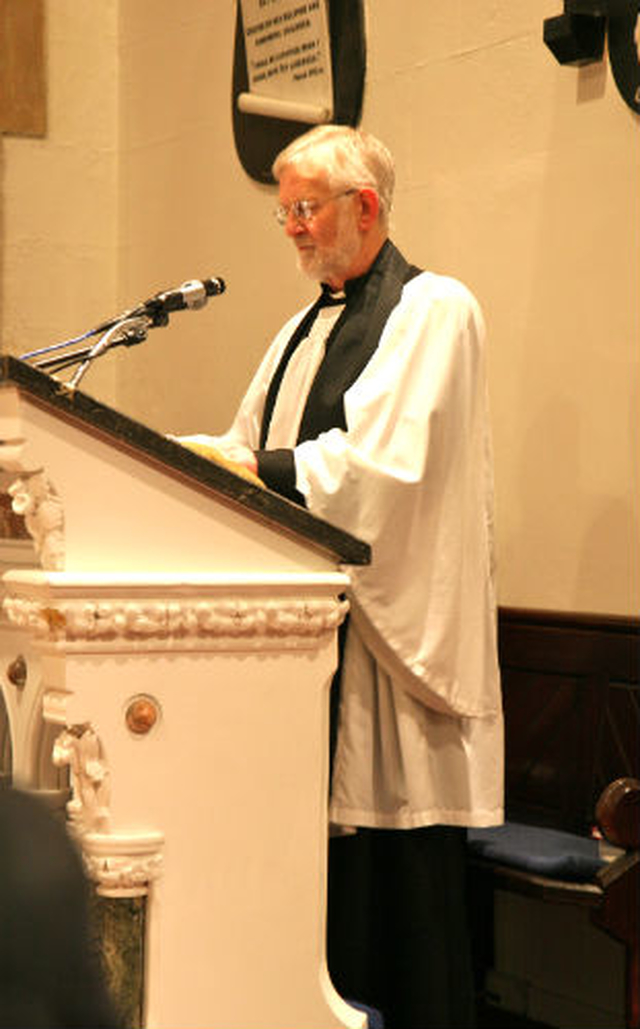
[[34, 497]]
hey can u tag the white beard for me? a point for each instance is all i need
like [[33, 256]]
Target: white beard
[[331, 263]]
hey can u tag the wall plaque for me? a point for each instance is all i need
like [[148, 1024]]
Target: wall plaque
[[296, 64], [288, 55], [23, 90], [624, 49]]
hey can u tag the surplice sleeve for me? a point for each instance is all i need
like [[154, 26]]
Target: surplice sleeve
[[411, 475]]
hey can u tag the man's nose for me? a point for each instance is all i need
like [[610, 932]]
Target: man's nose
[[294, 226]]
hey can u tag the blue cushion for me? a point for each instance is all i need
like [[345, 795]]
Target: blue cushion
[[374, 1017], [549, 852]]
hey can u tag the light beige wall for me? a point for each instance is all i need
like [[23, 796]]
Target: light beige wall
[[60, 195], [515, 174], [520, 176], [191, 211]]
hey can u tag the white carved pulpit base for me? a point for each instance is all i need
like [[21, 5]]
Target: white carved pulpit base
[[194, 719]]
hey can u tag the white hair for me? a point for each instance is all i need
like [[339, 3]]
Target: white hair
[[347, 156]]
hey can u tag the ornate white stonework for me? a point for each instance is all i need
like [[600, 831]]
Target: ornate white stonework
[[223, 623], [79, 747], [54, 706], [34, 497], [183, 644], [121, 864]]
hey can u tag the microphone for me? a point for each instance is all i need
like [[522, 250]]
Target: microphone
[[193, 294], [129, 327]]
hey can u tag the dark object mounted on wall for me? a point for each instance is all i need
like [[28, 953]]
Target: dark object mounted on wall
[[260, 137], [577, 37]]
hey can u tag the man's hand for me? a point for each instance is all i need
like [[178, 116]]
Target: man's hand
[[216, 448]]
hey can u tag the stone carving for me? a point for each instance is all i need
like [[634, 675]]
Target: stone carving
[[79, 747], [35, 499], [120, 864], [223, 622], [123, 874]]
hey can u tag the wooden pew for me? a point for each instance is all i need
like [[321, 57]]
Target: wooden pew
[[571, 698]]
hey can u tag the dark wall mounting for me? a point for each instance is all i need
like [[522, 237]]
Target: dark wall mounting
[[577, 37]]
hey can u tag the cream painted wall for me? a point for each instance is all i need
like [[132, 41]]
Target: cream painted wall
[[60, 194], [515, 174], [191, 211]]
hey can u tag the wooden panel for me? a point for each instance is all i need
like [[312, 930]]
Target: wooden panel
[[571, 698], [22, 68]]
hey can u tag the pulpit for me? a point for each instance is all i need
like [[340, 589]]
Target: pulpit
[[170, 638]]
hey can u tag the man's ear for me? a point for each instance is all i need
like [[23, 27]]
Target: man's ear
[[369, 208]]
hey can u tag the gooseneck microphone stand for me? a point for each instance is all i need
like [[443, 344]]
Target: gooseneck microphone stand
[[126, 329]]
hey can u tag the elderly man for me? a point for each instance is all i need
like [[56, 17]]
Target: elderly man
[[370, 408]]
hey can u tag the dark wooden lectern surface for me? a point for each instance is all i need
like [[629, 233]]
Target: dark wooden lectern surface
[[123, 431]]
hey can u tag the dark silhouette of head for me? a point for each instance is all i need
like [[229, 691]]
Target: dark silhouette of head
[[50, 974]]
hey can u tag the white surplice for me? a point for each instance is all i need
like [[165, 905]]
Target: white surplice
[[420, 738]]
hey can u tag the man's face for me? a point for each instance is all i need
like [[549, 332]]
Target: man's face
[[329, 242]]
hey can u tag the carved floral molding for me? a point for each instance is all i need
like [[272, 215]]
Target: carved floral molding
[[34, 497], [123, 864], [179, 624]]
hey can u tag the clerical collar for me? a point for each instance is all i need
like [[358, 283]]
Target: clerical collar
[[330, 297]]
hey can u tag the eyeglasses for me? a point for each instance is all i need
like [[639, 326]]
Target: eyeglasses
[[304, 210]]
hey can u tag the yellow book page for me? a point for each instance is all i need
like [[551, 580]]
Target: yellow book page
[[215, 455]]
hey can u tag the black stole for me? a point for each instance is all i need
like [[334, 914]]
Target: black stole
[[351, 343]]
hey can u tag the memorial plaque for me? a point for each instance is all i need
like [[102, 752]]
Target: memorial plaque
[[295, 65]]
